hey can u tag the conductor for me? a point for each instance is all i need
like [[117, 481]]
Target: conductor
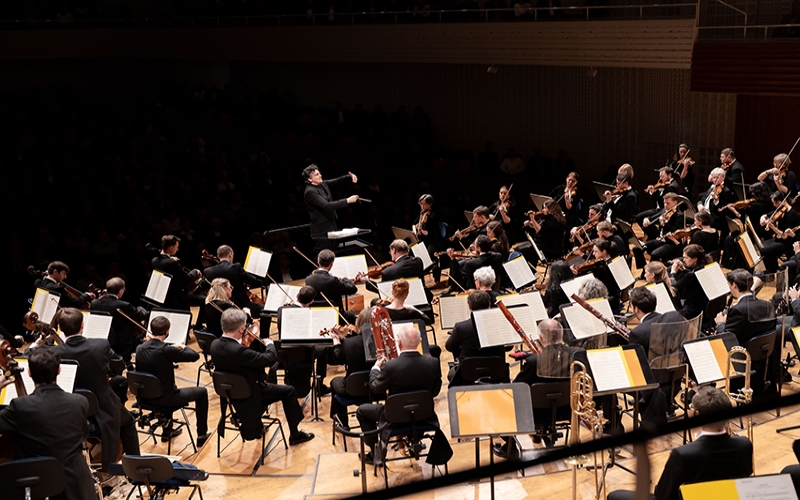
[[321, 206]]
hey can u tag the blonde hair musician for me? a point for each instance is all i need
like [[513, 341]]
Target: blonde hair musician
[[217, 301]]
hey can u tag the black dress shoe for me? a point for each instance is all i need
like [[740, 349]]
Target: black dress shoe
[[201, 440], [300, 437], [170, 433], [324, 389], [369, 458], [501, 450]]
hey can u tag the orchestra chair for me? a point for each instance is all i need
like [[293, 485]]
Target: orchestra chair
[[156, 473], [405, 414], [483, 370], [551, 409], [204, 340], [145, 386], [231, 387], [357, 388], [94, 429], [32, 478], [337, 427], [713, 308], [760, 348]]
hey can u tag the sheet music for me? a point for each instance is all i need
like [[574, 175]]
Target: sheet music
[[304, 324], [45, 304], [664, 302], [622, 272], [349, 231], [421, 251], [519, 272], [452, 310], [494, 329], [322, 318], [257, 261], [65, 380], [348, 266], [583, 323], [751, 249], [179, 323], [416, 292], [777, 487], [276, 298], [525, 318], [96, 326], [573, 285], [704, 362], [752, 231], [608, 369], [713, 281], [157, 286], [533, 299]]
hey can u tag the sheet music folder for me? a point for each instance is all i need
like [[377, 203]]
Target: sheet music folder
[[490, 410], [708, 356], [631, 359], [772, 487], [65, 379]]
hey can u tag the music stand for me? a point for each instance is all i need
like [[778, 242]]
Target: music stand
[[343, 243], [469, 215], [490, 411], [539, 200], [749, 251], [601, 188], [405, 235]]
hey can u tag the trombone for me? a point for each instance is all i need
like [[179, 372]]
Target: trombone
[[583, 410], [744, 395]]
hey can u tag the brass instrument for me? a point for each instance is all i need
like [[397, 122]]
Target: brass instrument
[[744, 395], [584, 410]]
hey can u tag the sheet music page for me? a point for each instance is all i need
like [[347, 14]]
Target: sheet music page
[[65, 380], [608, 369], [753, 234], [276, 298], [583, 323], [751, 249], [573, 285], [519, 272], [257, 261], [421, 251], [157, 286], [713, 281], [348, 266], [96, 326], [452, 310], [178, 325], [416, 292], [296, 323], [322, 318], [777, 487], [663, 300], [66, 377], [524, 316], [704, 363], [622, 272], [533, 299], [45, 304], [494, 329]]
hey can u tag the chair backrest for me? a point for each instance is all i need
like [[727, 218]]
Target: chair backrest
[[715, 307], [230, 385], [443, 229], [91, 398], [116, 366], [204, 340], [666, 340], [358, 384], [761, 346], [145, 468], [408, 406], [144, 385], [484, 369], [547, 395], [43, 475]]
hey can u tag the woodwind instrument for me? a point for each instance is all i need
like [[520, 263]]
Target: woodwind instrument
[[584, 410], [531, 344], [615, 325], [744, 395], [385, 344]]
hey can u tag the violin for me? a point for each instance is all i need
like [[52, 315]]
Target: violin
[[586, 266], [207, 256], [658, 185], [736, 206], [667, 216], [463, 232], [72, 291], [31, 323], [193, 285], [340, 331], [579, 251], [423, 218], [535, 215], [683, 233], [716, 192], [251, 335], [457, 255], [375, 272], [590, 224]]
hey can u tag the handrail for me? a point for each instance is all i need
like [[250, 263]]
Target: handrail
[[754, 27], [218, 20], [737, 10], [642, 434]]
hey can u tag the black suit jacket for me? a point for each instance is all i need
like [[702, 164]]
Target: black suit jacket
[[322, 208], [331, 286], [408, 372], [693, 297], [94, 356], [463, 342], [406, 266], [734, 173], [177, 294], [469, 266], [232, 357], [708, 458], [641, 334], [233, 272], [744, 319], [625, 207], [350, 352], [52, 423], [126, 334], [66, 300], [213, 316], [157, 358]]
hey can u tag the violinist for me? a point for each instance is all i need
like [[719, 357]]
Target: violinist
[[715, 199], [126, 335], [183, 279], [602, 254], [607, 231], [501, 210], [238, 278], [349, 351], [588, 231], [485, 279], [783, 224], [706, 236], [461, 271], [331, 287], [158, 358], [426, 227], [57, 272], [549, 233], [666, 184], [554, 296], [480, 217], [621, 203], [218, 301], [734, 170], [662, 247], [496, 233], [229, 355], [780, 177], [657, 272], [405, 265], [567, 196], [682, 167]]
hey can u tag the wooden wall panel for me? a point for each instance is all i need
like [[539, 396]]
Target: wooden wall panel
[[765, 126]]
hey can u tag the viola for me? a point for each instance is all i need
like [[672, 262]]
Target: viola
[[458, 255]]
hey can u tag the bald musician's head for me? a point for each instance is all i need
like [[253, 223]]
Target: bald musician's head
[[550, 332], [408, 337]]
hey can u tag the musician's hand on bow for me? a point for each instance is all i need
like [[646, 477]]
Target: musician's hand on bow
[[763, 220], [796, 246], [353, 177], [646, 222], [574, 270], [450, 253], [789, 233], [607, 195], [352, 199], [721, 317]]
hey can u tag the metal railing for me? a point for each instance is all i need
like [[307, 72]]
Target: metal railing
[[757, 32]]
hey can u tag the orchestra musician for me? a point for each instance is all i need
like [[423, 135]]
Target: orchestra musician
[[126, 335], [504, 209], [427, 229], [398, 310], [349, 351], [581, 233], [780, 177], [405, 265], [238, 278], [705, 236], [660, 245], [480, 217], [217, 301], [57, 272], [607, 231], [569, 201], [668, 184], [693, 299], [621, 203], [178, 294], [500, 244], [50, 423], [715, 198], [321, 206], [229, 355], [330, 286], [750, 316], [783, 232], [549, 233], [657, 272], [485, 279], [602, 254], [461, 271], [734, 170], [682, 167], [554, 296]]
